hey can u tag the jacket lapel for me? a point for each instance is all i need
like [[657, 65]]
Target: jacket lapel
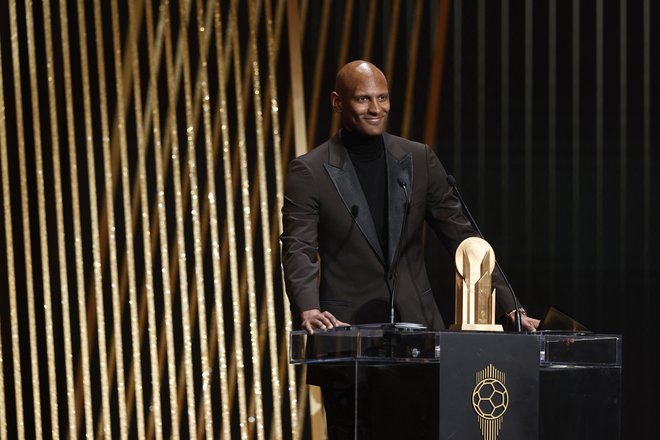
[[343, 176], [399, 172]]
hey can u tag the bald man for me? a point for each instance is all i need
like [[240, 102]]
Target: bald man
[[353, 212], [345, 202]]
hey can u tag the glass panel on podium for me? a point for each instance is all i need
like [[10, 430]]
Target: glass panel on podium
[[407, 382]]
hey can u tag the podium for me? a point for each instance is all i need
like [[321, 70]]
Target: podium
[[410, 383]]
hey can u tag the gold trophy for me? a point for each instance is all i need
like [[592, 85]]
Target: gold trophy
[[475, 297]]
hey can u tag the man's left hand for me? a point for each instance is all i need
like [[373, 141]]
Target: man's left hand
[[527, 323]]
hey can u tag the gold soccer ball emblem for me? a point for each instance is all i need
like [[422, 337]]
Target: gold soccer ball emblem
[[490, 399]]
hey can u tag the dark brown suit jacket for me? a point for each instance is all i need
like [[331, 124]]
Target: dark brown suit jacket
[[331, 255]]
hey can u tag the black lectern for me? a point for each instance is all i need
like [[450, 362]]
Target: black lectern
[[412, 383]]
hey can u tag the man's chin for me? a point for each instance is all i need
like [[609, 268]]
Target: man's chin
[[372, 130]]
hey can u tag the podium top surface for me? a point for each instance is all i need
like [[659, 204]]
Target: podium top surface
[[389, 344]]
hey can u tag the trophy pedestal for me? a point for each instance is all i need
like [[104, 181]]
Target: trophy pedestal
[[477, 327]]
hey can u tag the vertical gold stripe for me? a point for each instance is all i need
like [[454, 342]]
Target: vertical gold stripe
[[215, 240], [27, 243], [369, 34], [435, 74], [162, 217], [80, 275], [249, 251], [412, 68], [244, 195], [343, 52], [43, 228], [391, 43], [194, 211], [318, 74], [297, 91], [109, 211], [230, 215], [279, 200], [11, 274], [61, 239], [181, 251], [146, 229], [161, 171], [265, 232], [128, 225]]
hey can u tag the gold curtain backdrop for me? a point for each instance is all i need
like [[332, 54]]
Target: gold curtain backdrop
[[143, 145]]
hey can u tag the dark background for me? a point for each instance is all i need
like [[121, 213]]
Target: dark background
[[548, 119]]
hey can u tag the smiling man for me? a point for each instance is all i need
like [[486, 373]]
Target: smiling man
[[353, 213]]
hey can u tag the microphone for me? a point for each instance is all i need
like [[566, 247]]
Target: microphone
[[354, 211], [452, 182], [395, 264]]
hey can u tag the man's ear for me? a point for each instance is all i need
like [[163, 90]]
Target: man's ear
[[335, 101]]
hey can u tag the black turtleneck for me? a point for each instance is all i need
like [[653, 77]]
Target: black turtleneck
[[367, 154]]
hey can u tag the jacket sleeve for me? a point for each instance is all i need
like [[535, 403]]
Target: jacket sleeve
[[300, 218], [444, 213]]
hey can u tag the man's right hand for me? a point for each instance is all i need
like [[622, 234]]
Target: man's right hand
[[316, 319]]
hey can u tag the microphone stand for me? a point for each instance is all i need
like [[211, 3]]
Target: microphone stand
[[397, 255], [452, 182]]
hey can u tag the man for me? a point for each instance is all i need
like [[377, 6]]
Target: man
[[348, 243], [346, 201]]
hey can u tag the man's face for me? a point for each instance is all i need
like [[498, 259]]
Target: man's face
[[363, 103]]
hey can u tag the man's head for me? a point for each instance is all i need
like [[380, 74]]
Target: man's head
[[361, 98]]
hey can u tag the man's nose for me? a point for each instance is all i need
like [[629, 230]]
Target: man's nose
[[374, 106]]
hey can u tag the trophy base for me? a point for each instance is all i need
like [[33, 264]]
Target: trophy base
[[477, 327]]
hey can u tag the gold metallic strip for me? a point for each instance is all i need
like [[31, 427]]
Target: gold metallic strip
[[369, 34], [73, 166], [43, 226], [265, 232], [114, 287], [27, 243], [120, 116], [230, 210], [61, 238], [213, 220], [435, 74], [162, 218], [297, 395], [9, 249], [181, 251], [276, 423], [343, 53], [162, 150], [194, 212], [185, 182], [287, 370], [391, 43], [297, 85], [146, 231], [238, 86], [412, 68], [318, 74], [256, 417]]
